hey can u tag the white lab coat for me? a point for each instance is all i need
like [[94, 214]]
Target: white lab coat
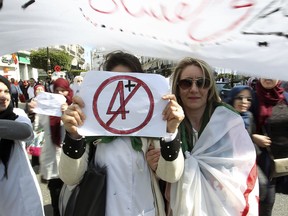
[[20, 194], [50, 153]]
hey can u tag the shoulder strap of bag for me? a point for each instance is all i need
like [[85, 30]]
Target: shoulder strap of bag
[[69, 208]]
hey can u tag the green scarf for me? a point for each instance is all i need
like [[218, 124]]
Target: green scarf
[[135, 141], [187, 144]]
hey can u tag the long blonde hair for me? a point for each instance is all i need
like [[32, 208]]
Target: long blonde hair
[[213, 96]]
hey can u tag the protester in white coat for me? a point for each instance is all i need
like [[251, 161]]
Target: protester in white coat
[[20, 194], [132, 188], [53, 136]]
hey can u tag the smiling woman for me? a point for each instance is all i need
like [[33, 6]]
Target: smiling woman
[[215, 145], [18, 184]]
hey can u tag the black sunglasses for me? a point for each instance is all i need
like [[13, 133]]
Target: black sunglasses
[[249, 99], [187, 83]]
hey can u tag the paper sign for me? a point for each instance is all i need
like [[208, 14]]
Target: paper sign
[[123, 104], [49, 104]]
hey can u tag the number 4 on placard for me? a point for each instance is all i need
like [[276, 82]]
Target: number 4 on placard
[[121, 110]]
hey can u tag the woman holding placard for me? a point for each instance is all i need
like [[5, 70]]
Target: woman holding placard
[[53, 136], [132, 188]]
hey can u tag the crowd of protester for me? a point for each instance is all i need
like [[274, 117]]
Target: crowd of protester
[[210, 146]]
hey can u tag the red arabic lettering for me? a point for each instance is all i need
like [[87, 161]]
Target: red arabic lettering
[[228, 28], [112, 8], [181, 11]]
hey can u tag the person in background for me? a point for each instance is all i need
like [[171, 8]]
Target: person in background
[[75, 86], [132, 189], [24, 87], [36, 125], [51, 149], [220, 175], [251, 82], [273, 130], [285, 86], [19, 188], [15, 91], [47, 84], [240, 97], [30, 89]]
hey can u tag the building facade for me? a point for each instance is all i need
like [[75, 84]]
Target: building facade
[[76, 51], [17, 66]]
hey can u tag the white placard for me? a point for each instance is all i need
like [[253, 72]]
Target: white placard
[[49, 104], [123, 104]]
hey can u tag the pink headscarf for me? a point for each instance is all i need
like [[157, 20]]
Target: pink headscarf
[[63, 83], [267, 98], [36, 87], [55, 127]]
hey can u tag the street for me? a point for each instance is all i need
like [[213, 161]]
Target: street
[[280, 207]]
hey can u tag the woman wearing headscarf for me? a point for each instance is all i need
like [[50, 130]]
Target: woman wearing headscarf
[[19, 189], [37, 130], [75, 86], [53, 136], [272, 127], [241, 98]]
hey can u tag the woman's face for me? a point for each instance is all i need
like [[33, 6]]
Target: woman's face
[[62, 91], [5, 97], [194, 97], [39, 89], [268, 83], [242, 101]]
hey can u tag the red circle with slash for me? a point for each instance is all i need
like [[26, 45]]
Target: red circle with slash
[[140, 83]]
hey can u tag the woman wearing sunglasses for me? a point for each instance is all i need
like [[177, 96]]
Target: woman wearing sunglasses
[[220, 176]]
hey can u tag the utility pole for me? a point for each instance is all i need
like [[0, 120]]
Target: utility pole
[[48, 63]]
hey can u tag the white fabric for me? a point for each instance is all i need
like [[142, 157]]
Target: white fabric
[[129, 189], [20, 194], [72, 170], [49, 104], [219, 171], [50, 153], [246, 36]]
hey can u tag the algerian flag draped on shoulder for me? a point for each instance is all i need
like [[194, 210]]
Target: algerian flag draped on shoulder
[[220, 175]]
